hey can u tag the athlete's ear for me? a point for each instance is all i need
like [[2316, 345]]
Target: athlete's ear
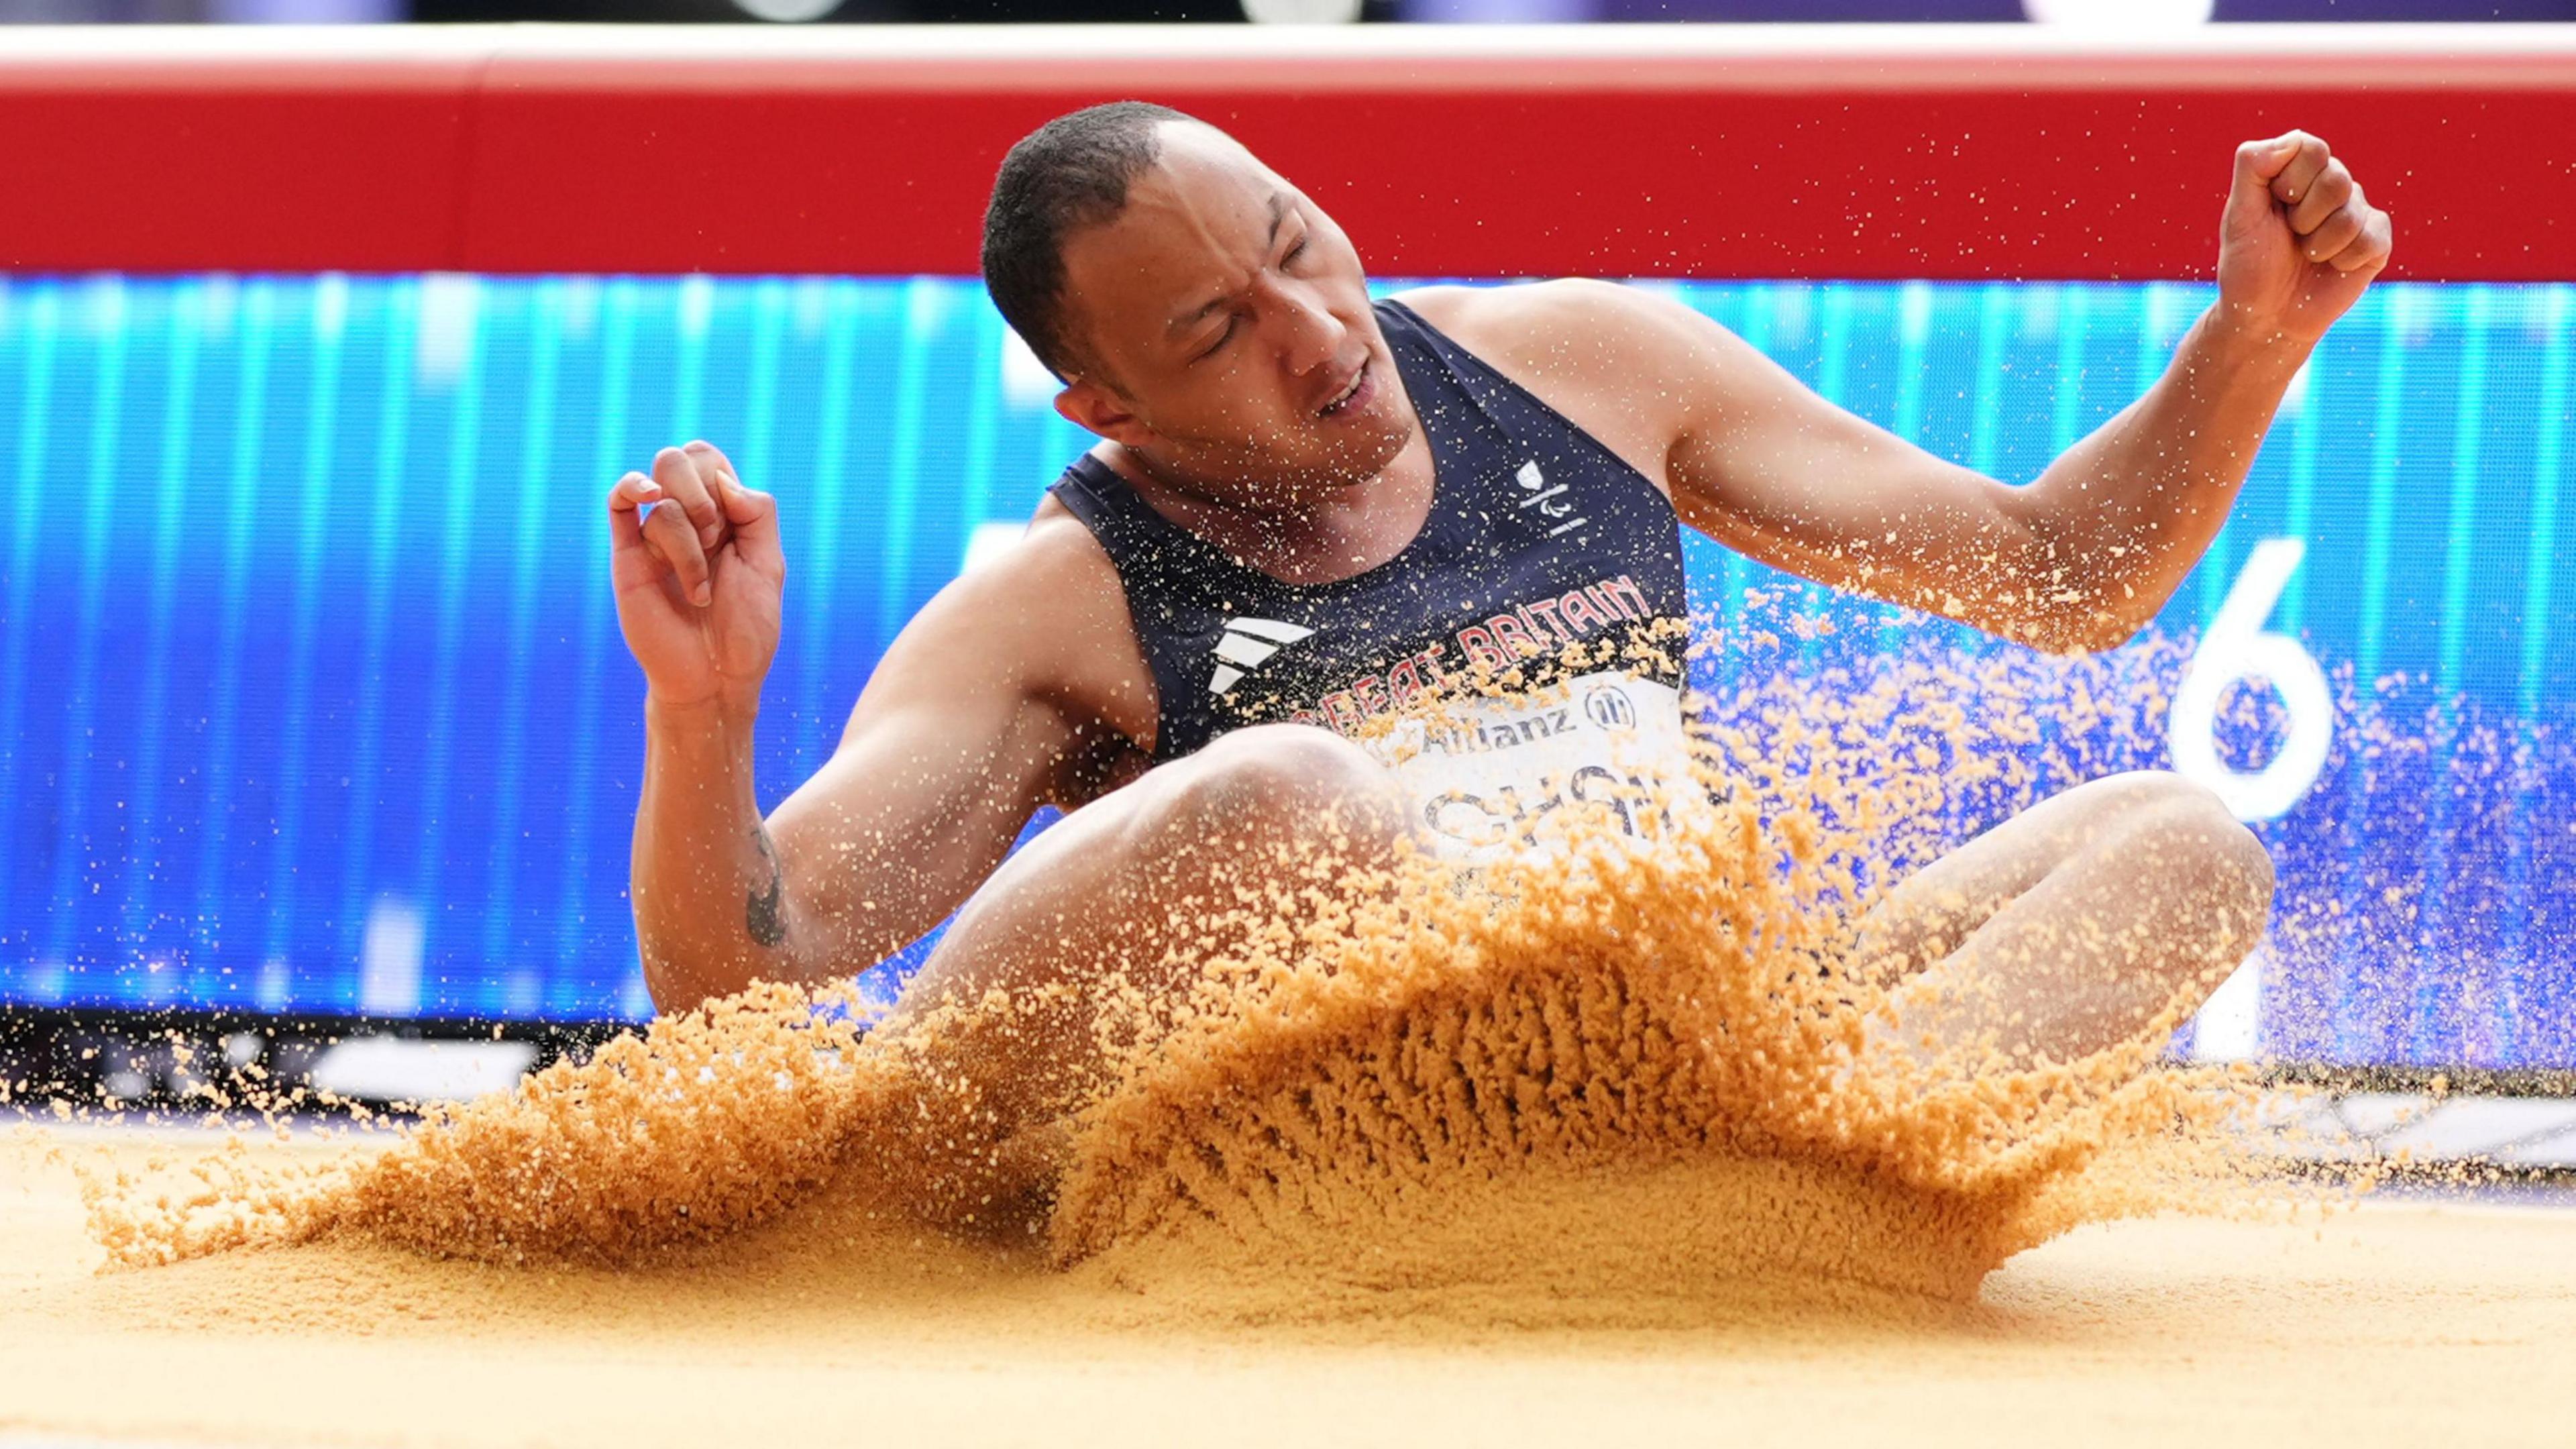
[[1088, 405]]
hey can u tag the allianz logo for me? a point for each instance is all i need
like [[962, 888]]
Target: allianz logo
[[1246, 645], [1606, 705]]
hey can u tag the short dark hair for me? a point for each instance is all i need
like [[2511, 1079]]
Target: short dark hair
[[1068, 174]]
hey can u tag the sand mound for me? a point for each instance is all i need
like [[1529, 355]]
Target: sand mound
[[1627, 1078]]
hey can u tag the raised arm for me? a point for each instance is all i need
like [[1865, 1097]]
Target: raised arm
[[2082, 557], [968, 724]]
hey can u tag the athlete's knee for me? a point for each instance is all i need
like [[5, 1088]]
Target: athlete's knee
[[2235, 856], [2183, 831], [2135, 792], [1284, 782]]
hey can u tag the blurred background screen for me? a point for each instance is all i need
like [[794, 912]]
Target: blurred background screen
[[312, 697]]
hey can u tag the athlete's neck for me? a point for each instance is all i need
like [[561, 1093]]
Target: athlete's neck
[[1299, 535]]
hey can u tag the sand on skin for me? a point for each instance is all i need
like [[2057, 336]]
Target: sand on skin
[[2396, 1323]]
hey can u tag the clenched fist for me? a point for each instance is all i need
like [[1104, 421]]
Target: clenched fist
[[698, 574], [2299, 242]]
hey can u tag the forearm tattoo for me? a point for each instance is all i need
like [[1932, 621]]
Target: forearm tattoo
[[764, 914]]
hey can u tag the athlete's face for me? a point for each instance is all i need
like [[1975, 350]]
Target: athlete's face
[[1223, 331]]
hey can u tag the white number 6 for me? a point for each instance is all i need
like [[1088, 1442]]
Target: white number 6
[[2237, 647]]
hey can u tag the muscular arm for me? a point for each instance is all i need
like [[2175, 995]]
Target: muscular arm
[[2080, 558], [993, 701]]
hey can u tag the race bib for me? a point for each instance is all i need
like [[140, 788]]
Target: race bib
[[1487, 774]]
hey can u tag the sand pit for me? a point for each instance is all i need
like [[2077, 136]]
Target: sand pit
[[1596, 1145], [2395, 1323]]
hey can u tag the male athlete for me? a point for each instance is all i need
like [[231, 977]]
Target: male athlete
[[1305, 510]]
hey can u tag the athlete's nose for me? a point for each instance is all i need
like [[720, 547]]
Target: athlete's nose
[[1309, 335]]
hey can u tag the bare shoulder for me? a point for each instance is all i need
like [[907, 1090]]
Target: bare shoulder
[[1570, 325], [1049, 617], [1607, 356]]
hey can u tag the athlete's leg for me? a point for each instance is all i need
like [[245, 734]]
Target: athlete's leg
[[1101, 900], [2071, 925]]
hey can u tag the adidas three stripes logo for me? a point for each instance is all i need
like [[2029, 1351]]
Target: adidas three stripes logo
[[1246, 644]]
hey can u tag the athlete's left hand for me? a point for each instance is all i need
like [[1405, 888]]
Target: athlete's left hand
[[2299, 244]]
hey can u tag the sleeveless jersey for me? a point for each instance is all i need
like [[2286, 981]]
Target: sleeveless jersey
[[1538, 538]]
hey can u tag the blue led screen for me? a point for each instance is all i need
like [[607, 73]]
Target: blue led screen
[[312, 697]]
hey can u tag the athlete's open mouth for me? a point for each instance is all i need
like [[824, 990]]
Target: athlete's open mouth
[[1348, 394]]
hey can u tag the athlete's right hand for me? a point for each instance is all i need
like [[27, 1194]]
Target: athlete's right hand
[[698, 572]]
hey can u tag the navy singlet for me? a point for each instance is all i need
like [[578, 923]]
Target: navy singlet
[[1538, 538]]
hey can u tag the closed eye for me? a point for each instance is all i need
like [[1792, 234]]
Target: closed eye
[[1227, 335], [1222, 338]]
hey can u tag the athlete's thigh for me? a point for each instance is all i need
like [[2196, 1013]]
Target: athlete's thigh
[[1059, 907], [1123, 893], [1931, 911]]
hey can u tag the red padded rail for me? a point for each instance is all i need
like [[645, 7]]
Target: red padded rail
[[1630, 151]]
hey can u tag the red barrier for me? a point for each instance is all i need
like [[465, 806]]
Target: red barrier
[[1630, 151]]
